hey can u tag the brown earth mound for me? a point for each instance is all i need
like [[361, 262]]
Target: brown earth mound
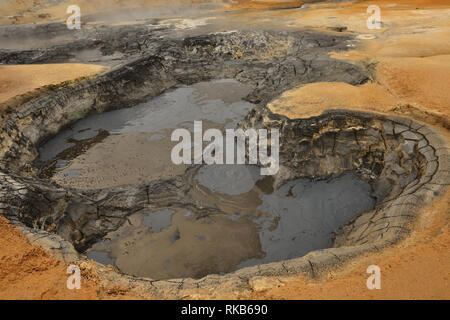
[[410, 78]]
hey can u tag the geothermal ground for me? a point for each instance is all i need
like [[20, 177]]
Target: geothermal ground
[[85, 170]]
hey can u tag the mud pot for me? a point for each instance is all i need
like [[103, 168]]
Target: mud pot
[[86, 169], [258, 224]]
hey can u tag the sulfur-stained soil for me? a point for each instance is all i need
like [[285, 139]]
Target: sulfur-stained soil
[[411, 77], [410, 62]]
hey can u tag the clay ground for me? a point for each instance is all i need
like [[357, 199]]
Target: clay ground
[[411, 63]]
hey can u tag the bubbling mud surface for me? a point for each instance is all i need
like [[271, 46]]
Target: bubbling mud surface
[[257, 224]]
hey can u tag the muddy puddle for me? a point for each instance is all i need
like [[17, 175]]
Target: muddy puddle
[[255, 224]]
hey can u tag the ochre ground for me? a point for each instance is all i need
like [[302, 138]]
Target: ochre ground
[[401, 85], [410, 59]]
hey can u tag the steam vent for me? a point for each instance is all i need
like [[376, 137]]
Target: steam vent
[[353, 173]]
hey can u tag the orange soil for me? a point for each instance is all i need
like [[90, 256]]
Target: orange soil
[[411, 77], [29, 272], [19, 79]]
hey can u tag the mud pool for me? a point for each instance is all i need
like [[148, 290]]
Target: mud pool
[[260, 225], [256, 224]]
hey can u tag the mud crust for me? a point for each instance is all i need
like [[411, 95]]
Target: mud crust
[[407, 163]]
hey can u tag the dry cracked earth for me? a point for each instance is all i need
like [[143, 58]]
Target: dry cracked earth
[[361, 113]]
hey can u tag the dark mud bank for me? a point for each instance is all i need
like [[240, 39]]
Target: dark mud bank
[[406, 163]]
